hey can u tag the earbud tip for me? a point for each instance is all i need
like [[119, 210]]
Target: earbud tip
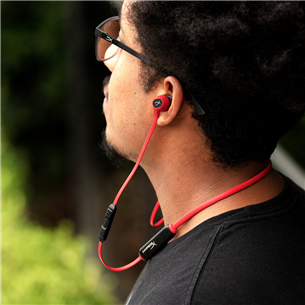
[[161, 103]]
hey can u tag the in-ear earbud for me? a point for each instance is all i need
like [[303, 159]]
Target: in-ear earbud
[[161, 103]]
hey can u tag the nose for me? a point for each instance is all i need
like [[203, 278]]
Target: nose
[[111, 62]]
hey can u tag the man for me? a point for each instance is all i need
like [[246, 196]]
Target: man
[[235, 72]]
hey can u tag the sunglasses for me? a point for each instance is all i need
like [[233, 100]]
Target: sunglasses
[[107, 46]]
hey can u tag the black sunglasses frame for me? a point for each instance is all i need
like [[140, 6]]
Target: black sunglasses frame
[[100, 34], [107, 37]]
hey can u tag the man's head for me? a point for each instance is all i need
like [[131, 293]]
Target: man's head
[[242, 61], [127, 106]]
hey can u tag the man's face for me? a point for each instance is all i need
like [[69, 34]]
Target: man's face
[[127, 108]]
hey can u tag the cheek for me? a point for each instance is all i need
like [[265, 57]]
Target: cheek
[[125, 93], [123, 107], [113, 53]]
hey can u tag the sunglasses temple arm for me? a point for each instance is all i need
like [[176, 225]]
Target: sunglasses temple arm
[[196, 105]]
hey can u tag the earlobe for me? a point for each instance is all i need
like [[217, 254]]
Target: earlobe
[[173, 88]]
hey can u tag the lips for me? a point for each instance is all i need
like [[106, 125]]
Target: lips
[[106, 93]]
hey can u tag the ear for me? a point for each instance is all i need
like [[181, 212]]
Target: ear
[[172, 87]]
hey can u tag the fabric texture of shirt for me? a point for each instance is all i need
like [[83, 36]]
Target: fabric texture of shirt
[[253, 255]]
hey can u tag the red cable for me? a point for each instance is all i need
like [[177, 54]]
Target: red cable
[[118, 268], [153, 215], [120, 193], [116, 199], [174, 227], [221, 196]]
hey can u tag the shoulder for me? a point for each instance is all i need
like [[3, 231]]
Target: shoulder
[[259, 257]]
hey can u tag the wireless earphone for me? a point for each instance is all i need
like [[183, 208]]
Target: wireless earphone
[[161, 103], [157, 242]]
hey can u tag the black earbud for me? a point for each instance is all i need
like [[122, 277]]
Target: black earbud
[[161, 103]]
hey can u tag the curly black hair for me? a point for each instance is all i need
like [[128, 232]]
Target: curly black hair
[[243, 62]]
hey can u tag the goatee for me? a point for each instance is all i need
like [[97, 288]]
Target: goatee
[[111, 153]]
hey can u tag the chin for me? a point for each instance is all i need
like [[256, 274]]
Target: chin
[[111, 152], [115, 149]]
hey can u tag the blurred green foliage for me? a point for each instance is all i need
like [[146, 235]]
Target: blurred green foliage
[[41, 265]]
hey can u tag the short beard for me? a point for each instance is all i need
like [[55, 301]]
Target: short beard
[[112, 154]]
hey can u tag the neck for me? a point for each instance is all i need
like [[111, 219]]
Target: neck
[[184, 180]]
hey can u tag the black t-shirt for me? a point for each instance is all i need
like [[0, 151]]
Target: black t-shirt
[[253, 255]]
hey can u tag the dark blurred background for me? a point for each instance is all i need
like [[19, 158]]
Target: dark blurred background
[[51, 113]]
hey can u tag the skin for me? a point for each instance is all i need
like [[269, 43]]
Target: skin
[[177, 160]]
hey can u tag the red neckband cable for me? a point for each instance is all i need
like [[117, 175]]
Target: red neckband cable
[[158, 241], [211, 201]]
